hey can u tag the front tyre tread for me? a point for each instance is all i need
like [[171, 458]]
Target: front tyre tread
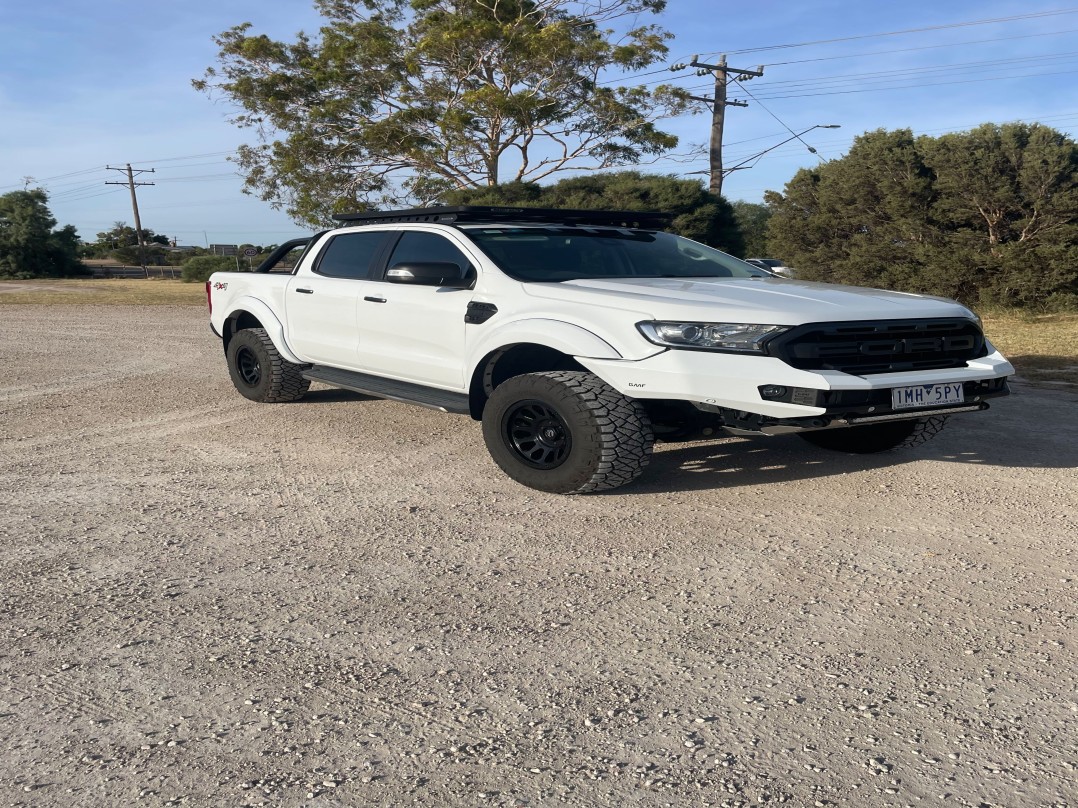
[[612, 435]]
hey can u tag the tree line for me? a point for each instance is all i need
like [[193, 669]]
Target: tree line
[[988, 216]]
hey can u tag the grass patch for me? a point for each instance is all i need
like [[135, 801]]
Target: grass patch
[[104, 292], [1042, 347]]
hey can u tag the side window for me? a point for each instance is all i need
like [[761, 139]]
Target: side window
[[424, 247], [349, 255]]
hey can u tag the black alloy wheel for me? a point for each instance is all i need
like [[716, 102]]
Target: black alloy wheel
[[250, 369], [537, 434], [566, 432]]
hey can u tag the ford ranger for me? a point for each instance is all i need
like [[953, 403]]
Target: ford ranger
[[578, 338]]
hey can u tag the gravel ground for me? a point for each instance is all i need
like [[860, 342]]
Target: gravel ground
[[207, 601]]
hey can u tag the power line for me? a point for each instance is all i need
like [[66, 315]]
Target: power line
[[188, 157], [905, 72], [965, 24], [781, 90], [199, 177], [951, 45], [89, 196], [636, 76], [57, 177], [104, 168], [923, 84], [78, 188], [851, 77], [920, 48], [784, 125]]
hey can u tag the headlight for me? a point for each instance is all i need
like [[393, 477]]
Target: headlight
[[975, 317], [740, 337]]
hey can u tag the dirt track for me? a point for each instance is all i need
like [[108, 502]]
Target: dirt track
[[342, 602]]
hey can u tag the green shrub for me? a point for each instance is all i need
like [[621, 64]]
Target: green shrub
[[199, 268]]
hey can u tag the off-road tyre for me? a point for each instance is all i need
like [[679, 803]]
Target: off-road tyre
[[566, 432], [259, 372], [872, 438]]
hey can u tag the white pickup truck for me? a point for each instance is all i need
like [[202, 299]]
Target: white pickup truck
[[578, 338]]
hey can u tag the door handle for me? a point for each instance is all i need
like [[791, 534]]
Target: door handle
[[370, 299], [305, 291]]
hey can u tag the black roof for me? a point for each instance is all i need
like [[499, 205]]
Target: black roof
[[478, 214]]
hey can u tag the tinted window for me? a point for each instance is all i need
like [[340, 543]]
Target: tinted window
[[350, 255], [426, 247], [559, 254]]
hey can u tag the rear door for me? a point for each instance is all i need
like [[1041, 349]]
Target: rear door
[[321, 303]]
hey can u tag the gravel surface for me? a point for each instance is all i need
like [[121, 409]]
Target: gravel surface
[[207, 601]]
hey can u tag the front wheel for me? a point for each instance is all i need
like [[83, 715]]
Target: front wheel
[[872, 438], [566, 432], [258, 370]]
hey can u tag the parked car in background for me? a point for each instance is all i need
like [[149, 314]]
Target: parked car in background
[[773, 265]]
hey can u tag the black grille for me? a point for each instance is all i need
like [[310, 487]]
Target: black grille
[[881, 346]]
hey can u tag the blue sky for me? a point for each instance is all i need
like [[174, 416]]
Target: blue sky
[[85, 85]]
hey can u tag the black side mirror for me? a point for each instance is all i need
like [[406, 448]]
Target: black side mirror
[[428, 273]]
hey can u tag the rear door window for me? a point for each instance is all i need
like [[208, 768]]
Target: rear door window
[[350, 255]]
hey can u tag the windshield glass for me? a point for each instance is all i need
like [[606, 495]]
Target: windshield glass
[[568, 253]]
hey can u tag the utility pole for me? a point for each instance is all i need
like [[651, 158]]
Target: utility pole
[[134, 207], [719, 104]]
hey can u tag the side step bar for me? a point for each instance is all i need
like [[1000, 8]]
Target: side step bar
[[444, 400]]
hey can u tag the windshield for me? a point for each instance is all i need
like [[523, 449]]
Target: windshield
[[567, 253]]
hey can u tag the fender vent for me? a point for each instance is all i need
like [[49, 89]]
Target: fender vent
[[479, 313]]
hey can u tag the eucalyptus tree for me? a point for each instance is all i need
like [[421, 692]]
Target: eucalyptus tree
[[399, 102]]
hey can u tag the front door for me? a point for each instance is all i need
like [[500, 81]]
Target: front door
[[416, 333]]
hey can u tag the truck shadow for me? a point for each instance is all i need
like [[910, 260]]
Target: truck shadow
[[1030, 430]]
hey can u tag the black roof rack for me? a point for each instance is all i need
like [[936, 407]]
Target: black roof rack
[[479, 214]]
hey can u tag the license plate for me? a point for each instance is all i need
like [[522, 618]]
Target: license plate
[[926, 395]]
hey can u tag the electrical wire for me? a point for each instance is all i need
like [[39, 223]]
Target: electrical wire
[[851, 77], [784, 125], [980, 80], [868, 82], [969, 23], [1035, 15], [906, 72], [920, 48], [197, 177]]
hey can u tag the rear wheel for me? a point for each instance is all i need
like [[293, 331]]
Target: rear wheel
[[566, 432], [871, 438], [259, 372]]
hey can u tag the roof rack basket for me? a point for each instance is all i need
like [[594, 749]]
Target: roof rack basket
[[481, 214]]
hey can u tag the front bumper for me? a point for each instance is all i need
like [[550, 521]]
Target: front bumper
[[715, 381]]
